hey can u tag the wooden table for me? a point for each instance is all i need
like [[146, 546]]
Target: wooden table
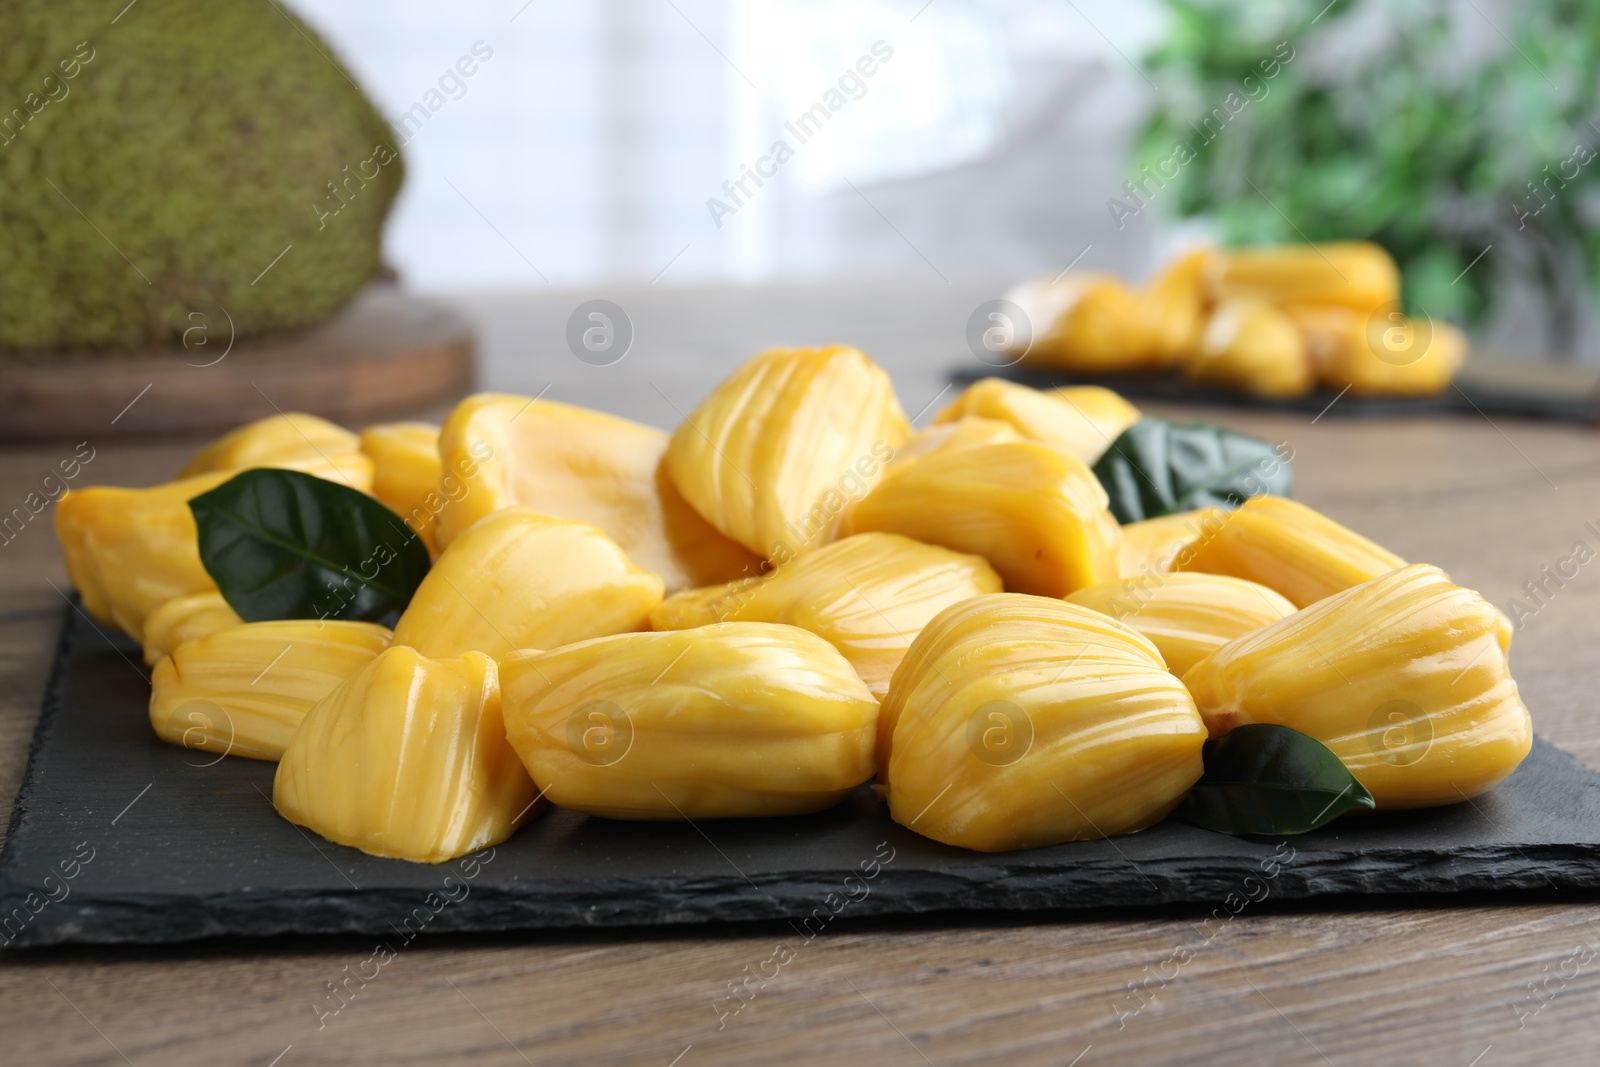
[[1434, 983]]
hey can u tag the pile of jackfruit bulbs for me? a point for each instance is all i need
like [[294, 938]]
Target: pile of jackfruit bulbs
[[789, 595], [1267, 321]]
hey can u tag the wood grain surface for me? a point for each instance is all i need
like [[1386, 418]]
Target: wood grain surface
[[1478, 983], [384, 353]]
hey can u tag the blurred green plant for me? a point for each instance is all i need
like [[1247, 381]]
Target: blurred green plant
[[1421, 125]]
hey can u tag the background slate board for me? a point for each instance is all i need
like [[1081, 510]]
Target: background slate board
[[1486, 385], [181, 848]]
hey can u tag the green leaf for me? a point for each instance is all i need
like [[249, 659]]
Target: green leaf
[[1157, 468], [285, 545], [1267, 779]]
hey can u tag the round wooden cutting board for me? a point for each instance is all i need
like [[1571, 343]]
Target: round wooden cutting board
[[385, 353]]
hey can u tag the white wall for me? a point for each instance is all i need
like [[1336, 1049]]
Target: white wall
[[585, 148]]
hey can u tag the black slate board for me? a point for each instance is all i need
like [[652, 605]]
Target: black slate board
[[162, 847], [1486, 386]]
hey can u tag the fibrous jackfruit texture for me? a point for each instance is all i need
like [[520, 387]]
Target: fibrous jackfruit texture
[[518, 579], [183, 619], [968, 431], [408, 758], [155, 168], [868, 596], [1037, 514], [1284, 545], [405, 472], [1404, 677], [243, 690], [1020, 721], [1082, 420], [1186, 616], [774, 454], [130, 551], [1159, 545], [735, 719], [499, 450], [296, 440]]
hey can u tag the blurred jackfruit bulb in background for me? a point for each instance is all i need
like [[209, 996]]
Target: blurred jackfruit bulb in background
[[156, 168]]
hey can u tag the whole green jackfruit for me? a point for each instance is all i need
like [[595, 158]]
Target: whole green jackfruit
[[155, 163]]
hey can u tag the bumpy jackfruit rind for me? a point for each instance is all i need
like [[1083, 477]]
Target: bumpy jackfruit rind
[[1114, 739], [197, 141], [1404, 677], [773, 456], [736, 719], [1034, 512], [408, 760]]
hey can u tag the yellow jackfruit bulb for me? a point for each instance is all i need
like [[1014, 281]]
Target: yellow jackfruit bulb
[[183, 619], [1157, 546], [499, 451], [297, 441], [735, 719], [1383, 353], [1081, 420], [1403, 677], [1355, 274], [1080, 322], [242, 691], [1252, 346], [774, 454], [1186, 616], [868, 596], [519, 579], [693, 607], [1035, 513], [129, 551], [969, 431], [406, 472], [408, 759], [1019, 721], [1172, 309], [1286, 546]]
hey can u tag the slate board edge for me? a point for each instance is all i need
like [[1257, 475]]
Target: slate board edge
[[48, 708], [967, 889], [786, 897], [1166, 389]]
